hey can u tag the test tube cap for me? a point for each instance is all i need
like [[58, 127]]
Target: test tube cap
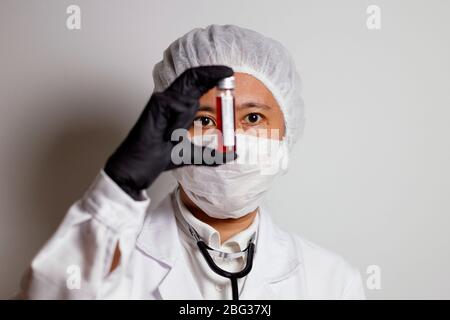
[[226, 83]]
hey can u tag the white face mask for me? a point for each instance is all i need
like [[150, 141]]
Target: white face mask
[[234, 189]]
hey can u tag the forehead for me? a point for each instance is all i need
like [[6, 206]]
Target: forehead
[[248, 89]]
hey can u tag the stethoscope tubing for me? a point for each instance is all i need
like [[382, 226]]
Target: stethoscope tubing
[[203, 247], [233, 276]]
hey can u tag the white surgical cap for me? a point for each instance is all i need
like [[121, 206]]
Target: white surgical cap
[[245, 51]]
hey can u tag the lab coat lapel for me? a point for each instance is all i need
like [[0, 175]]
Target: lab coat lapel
[[159, 239], [275, 259], [179, 284]]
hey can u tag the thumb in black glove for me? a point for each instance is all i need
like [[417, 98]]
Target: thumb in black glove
[[146, 151]]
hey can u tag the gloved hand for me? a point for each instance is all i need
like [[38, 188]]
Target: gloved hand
[[146, 151]]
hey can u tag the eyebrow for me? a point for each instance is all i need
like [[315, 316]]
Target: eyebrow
[[207, 108], [244, 105], [253, 105]]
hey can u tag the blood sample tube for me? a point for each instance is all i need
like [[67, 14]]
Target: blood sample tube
[[226, 115]]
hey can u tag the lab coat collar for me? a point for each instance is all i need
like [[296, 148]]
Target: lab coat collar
[[159, 239]]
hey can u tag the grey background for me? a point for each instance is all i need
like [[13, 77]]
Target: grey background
[[369, 180]]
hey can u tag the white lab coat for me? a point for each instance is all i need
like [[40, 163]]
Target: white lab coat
[[75, 262]]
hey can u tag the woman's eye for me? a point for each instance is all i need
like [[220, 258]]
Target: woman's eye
[[253, 118], [203, 121]]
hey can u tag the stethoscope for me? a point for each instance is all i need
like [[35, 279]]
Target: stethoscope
[[205, 251]]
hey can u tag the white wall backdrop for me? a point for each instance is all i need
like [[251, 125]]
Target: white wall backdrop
[[369, 180]]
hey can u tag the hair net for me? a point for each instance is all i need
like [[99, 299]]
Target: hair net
[[245, 51]]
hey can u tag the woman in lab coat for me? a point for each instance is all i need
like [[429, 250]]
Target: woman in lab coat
[[111, 246]]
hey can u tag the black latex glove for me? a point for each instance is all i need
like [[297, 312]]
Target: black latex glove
[[146, 151]]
